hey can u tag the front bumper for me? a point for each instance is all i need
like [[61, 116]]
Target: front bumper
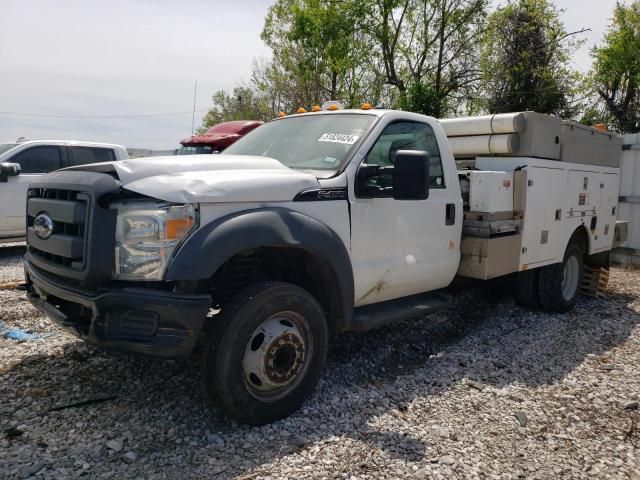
[[139, 320]]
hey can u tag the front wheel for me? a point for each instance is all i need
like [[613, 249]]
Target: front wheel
[[266, 353], [559, 284]]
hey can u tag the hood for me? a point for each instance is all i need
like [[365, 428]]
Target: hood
[[210, 178]]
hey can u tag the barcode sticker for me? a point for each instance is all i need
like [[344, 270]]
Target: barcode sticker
[[339, 138]]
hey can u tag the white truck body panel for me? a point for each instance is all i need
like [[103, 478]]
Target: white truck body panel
[[396, 251], [333, 214], [560, 197], [491, 192]]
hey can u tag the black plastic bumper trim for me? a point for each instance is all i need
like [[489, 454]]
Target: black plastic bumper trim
[[111, 319]]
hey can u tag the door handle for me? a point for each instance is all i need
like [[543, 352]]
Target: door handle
[[450, 214]]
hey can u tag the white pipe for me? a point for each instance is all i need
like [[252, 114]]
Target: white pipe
[[485, 125], [484, 145]]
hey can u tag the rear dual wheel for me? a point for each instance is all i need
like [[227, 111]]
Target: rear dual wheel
[[555, 287], [266, 353], [559, 284]]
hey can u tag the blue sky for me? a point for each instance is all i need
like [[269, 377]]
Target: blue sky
[[123, 57]]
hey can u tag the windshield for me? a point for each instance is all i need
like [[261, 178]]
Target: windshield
[[314, 142], [6, 146], [194, 149]]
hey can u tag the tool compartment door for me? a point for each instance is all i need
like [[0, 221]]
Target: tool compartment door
[[543, 231], [606, 223], [583, 193]]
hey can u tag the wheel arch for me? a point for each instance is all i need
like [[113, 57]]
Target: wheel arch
[[209, 248], [580, 236]]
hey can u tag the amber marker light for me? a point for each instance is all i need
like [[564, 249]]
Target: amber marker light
[[177, 228]]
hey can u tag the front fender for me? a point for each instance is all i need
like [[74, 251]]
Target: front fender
[[212, 245]]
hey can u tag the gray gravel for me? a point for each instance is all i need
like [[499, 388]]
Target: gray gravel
[[485, 390], [10, 265]]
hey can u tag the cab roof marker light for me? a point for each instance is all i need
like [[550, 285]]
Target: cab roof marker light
[[366, 106], [332, 105], [301, 110], [316, 108]]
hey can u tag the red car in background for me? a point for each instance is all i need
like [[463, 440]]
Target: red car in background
[[217, 137]]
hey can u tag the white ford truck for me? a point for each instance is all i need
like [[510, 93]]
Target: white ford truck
[[311, 225]]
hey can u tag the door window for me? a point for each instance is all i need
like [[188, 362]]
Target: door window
[[85, 155], [40, 159], [406, 136]]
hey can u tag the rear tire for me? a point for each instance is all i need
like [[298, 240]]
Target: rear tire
[[526, 288], [266, 352], [559, 284]]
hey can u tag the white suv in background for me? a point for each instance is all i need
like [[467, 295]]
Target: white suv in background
[[22, 162]]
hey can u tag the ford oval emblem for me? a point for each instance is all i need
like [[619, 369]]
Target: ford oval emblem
[[43, 225]]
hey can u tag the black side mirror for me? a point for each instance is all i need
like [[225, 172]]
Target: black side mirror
[[365, 189], [9, 170], [411, 175]]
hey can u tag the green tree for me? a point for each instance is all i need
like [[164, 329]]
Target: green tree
[[594, 114], [413, 54], [274, 86], [428, 48], [525, 60], [242, 104], [616, 69], [315, 43]]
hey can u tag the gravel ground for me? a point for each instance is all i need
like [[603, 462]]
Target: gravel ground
[[10, 265], [484, 390]]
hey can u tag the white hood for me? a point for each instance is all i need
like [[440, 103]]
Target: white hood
[[213, 178]]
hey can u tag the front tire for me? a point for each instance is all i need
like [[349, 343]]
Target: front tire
[[266, 353], [559, 284]]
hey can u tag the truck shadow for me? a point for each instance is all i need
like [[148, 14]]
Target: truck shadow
[[502, 342], [159, 409]]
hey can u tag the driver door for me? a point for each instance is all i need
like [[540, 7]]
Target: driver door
[[404, 247]]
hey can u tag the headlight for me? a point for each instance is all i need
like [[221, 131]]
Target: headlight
[[147, 233]]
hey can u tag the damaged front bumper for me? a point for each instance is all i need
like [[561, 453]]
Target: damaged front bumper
[[140, 320]]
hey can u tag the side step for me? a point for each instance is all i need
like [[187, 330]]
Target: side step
[[379, 314]]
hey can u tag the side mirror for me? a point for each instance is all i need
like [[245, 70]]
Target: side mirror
[[411, 175], [9, 170]]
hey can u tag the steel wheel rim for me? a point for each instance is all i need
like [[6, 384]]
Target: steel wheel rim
[[570, 277], [277, 355]]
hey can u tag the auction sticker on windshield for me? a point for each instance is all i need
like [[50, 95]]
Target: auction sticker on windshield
[[338, 138]]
